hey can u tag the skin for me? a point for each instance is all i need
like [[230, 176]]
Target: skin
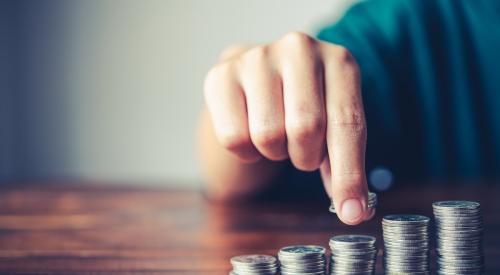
[[296, 98]]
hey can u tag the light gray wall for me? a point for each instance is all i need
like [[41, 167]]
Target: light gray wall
[[116, 86]]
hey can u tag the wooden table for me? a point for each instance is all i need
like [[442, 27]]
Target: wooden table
[[85, 228]]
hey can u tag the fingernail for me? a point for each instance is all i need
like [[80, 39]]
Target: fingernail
[[351, 210]]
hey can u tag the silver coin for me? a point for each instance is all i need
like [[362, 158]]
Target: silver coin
[[302, 273], [253, 259], [352, 241], [456, 204], [302, 249], [406, 219]]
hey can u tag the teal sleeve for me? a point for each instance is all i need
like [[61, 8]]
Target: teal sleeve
[[429, 71]]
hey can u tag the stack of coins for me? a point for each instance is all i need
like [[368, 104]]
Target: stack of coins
[[406, 244], [459, 230], [302, 259], [372, 202], [353, 254], [254, 265]]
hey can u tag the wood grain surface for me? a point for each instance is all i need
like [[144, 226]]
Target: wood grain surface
[[89, 228]]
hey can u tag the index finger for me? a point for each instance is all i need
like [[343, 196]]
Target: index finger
[[346, 133]]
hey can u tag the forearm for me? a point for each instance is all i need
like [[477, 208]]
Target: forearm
[[225, 176]]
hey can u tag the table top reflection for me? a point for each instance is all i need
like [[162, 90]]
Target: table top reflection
[[90, 228]]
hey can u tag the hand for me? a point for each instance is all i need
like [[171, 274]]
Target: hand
[[296, 98]]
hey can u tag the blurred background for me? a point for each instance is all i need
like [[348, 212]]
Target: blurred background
[[110, 91]]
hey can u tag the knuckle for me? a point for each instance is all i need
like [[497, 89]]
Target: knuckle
[[343, 54], [347, 62], [304, 130], [349, 115], [340, 58], [297, 39], [351, 119], [231, 51], [256, 55], [220, 72]]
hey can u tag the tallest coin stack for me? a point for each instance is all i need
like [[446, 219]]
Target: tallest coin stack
[[459, 234]]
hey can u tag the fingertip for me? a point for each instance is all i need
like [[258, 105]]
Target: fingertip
[[246, 153], [249, 159], [306, 166], [352, 211]]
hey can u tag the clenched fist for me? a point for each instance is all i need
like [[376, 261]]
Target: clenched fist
[[296, 98]]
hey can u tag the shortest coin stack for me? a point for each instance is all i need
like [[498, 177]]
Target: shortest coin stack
[[459, 234], [302, 259], [353, 254], [406, 244], [372, 202], [254, 265]]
